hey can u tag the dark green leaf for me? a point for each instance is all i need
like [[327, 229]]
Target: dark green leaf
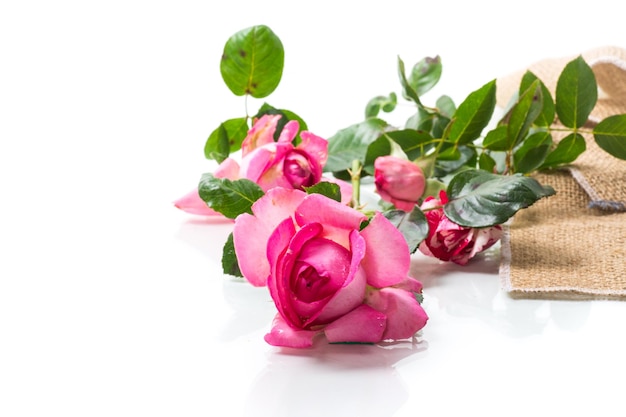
[[576, 93], [473, 114], [413, 226], [566, 151], [230, 265], [425, 75], [408, 91], [286, 117], [524, 113], [482, 199], [610, 135], [497, 139], [546, 117], [231, 198], [252, 62], [328, 189], [532, 153], [227, 138], [351, 143]]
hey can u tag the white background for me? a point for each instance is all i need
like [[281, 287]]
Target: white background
[[112, 302]]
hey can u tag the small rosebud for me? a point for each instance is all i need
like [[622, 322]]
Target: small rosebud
[[399, 181]]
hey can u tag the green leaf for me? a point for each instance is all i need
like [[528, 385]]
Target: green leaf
[[486, 162], [446, 106], [425, 75], [473, 114], [227, 138], [482, 199], [546, 117], [287, 115], [467, 158], [566, 151], [230, 265], [378, 103], [524, 113], [497, 139], [576, 93], [252, 62], [326, 188], [231, 198], [413, 226], [532, 153], [351, 143], [414, 143], [610, 135], [408, 91]]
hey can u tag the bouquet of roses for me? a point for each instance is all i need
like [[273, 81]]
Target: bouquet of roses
[[446, 182]]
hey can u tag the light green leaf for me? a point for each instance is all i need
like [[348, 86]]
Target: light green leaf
[[252, 62], [524, 113], [408, 91], [576, 93], [325, 188], [378, 103], [481, 199], [566, 151], [231, 198], [473, 114], [497, 139], [546, 117], [351, 143], [610, 135], [227, 138], [425, 75]]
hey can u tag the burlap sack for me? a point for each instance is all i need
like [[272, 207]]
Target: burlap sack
[[573, 245]]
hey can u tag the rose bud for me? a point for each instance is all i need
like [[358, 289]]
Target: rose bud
[[399, 181]]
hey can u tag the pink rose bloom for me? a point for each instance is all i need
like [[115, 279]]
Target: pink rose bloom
[[450, 242], [326, 275], [272, 163], [399, 181]]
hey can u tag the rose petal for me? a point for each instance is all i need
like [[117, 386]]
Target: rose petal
[[363, 324], [193, 204], [405, 316], [315, 146], [353, 290], [338, 219], [284, 335], [261, 133], [229, 168], [387, 258], [289, 132], [251, 233]]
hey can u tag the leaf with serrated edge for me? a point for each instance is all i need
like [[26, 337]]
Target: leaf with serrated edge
[[610, 135], [473, 114]]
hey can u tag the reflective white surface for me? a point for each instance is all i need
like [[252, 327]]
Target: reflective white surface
[[113, 303]]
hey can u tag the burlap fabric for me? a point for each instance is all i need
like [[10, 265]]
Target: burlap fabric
[[573, 245]]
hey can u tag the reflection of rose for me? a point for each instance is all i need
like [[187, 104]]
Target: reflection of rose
[[354, 380], [272, 164], [399, 181], [326, 274], [450, 242]]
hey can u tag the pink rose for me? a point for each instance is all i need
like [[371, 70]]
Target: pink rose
[[324, 273], [450, 242], [272, 163], [399, 181]]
